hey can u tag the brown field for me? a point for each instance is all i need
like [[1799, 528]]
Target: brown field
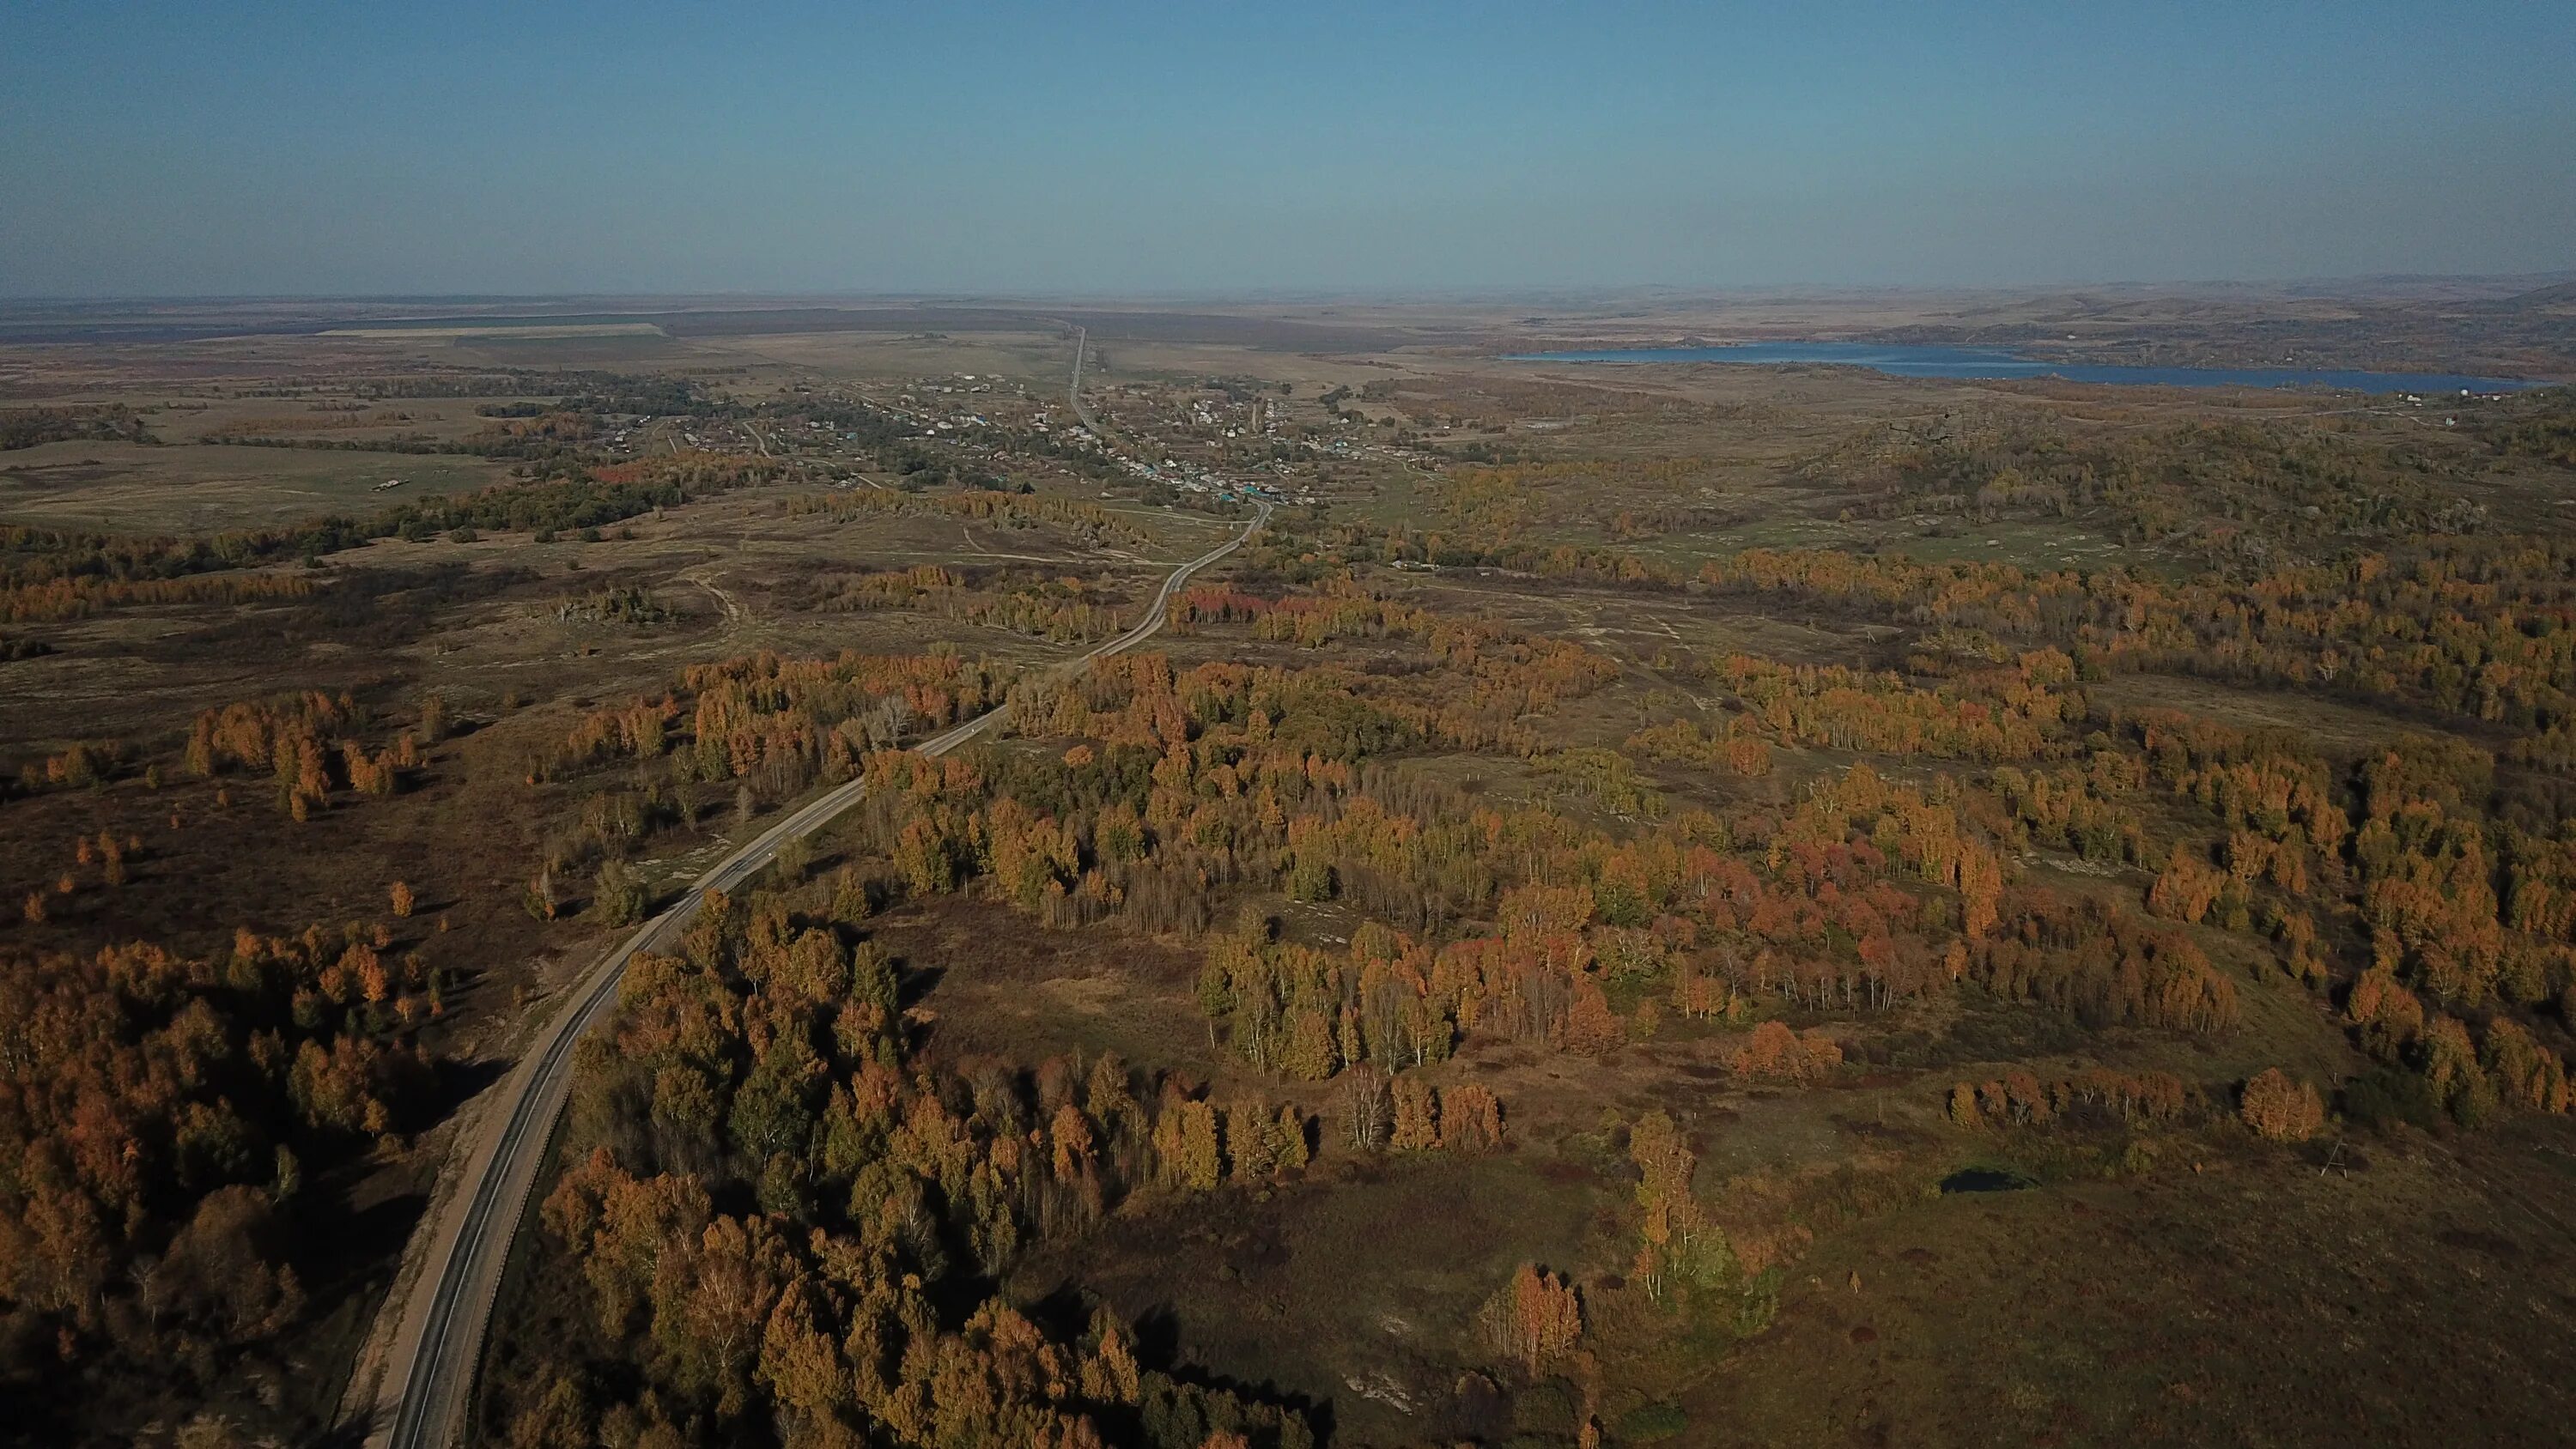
[[189, 488]]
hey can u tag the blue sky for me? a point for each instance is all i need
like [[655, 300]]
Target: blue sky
[[648, 146]]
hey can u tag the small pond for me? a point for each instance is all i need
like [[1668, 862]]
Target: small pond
[[1985, 1179]]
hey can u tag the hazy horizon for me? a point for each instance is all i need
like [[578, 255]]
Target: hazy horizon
[[660, 150], [1246, 295]]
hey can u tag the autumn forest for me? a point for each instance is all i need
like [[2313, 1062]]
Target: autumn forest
[[1652, 906]]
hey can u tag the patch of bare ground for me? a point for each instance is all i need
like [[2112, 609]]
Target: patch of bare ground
[[1353, 1290], [2346, 729], [984, 980], [2248, 1297]]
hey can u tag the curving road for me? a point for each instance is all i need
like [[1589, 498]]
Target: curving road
[[438, 1344]]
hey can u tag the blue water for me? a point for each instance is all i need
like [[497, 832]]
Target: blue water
[[1981, 362]]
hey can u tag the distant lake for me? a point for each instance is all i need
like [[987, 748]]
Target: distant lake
[[1898, 361]]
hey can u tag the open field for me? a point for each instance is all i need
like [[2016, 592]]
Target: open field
[[202, 489]]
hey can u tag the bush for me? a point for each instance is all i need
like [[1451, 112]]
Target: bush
[[1649, 1423], [2280, 1108], [619, 896], [2478, 1102], [2389, 1097], [794, 859]]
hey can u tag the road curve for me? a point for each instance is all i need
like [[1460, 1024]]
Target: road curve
[[429, 1376]]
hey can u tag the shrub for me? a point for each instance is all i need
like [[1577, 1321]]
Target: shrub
[[2281, 1108], [619, 896], [2391, 1096]]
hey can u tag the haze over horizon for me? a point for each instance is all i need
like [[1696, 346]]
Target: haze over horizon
[[668, 148]]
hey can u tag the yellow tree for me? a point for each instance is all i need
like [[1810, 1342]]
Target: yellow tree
[[1417, 1115], [1185, 1139], [1536, 1317], [1288, 1145], [2281, 1108], [1471, 1119]]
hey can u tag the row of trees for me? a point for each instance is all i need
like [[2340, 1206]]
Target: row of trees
[[63, 599], [1062, 610], [2021, 1098], [1089, 522]]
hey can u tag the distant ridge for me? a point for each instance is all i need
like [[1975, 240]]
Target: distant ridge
[[2542, 298]]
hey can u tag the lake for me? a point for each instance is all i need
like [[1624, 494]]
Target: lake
[[1986, 362]]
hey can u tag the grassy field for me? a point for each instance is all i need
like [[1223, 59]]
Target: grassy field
[[2252, 1298], [206, 488]]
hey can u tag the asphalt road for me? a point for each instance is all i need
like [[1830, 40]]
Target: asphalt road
[[1081, 409], [429, 1378]]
